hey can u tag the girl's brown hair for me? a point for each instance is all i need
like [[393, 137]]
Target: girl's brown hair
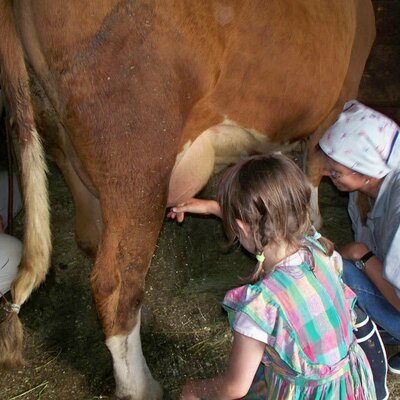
[[272, 196]]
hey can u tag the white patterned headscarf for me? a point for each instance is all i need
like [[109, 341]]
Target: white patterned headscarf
[[363, 140]]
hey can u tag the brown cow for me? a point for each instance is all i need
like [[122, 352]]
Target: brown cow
[[138, 102]]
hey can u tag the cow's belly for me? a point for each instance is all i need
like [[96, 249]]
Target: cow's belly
[[214, 149]]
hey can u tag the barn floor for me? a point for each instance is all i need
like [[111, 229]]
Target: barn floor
[[185, 333]]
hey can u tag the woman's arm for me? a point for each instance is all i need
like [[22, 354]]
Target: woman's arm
[[373, 269], [194, 206], [244, 360]]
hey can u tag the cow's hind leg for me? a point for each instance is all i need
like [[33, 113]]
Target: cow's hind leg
[[118, 281], [132, 375], [88, 220]]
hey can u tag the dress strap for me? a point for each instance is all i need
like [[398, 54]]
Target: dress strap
[[315, 242]]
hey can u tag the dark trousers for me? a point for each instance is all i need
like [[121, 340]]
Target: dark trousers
[[370, 341]]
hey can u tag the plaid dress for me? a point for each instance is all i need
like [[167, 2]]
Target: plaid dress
[[304, 310]]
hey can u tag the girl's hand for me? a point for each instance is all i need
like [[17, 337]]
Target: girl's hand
[[187, 392], [236, 381], [194, 206]]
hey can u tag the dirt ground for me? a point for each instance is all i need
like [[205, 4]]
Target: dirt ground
[[184, 333]]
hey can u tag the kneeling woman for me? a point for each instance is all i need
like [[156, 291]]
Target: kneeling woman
[[362, 156]]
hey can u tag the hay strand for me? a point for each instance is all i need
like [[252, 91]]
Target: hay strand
[[42, 386]]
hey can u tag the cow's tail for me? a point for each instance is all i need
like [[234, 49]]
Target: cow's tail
[[37, 240]]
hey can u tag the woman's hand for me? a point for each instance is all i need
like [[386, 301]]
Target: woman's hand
[[353, 251], [194, 206]]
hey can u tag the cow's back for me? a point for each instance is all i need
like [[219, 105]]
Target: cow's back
[[271, 67]]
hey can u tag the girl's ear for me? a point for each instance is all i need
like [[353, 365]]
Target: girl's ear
[[243, 227]]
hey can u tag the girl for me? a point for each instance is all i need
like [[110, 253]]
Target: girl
[[292, 321]]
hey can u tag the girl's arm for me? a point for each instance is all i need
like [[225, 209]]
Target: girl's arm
[[244, 360], [194, 206]]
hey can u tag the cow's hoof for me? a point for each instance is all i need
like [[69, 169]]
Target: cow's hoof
[[152, 392]]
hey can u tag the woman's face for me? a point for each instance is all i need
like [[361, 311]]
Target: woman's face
[[345, 179]]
